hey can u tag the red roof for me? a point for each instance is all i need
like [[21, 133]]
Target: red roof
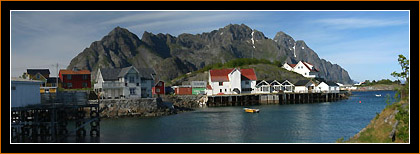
[[74, 72], [221, 75], [312, 70], [292, 65], [249, 73], [209, 87]]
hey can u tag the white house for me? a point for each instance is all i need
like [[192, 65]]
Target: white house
[[287, 86], [231, 81], [306, 69], [262, 86], [328, 87], [25, 92], [304, 86], [128, 82], [276, 86]]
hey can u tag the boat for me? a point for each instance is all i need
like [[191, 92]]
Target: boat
[[249, 110], [378, 95]]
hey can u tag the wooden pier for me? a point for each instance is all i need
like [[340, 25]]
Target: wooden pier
[[281, 98], [48, 121]]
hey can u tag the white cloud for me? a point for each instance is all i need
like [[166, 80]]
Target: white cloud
[[351, 23]]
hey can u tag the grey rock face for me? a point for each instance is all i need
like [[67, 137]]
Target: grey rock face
[[173, 56]]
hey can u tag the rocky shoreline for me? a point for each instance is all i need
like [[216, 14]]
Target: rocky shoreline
[[149, 107]]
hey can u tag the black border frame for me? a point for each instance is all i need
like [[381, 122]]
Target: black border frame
[[6, 6]]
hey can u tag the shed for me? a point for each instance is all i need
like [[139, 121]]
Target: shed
[[198, 87], [25, 92], [183, 90]]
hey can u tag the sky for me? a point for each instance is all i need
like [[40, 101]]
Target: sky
[[365, 43]]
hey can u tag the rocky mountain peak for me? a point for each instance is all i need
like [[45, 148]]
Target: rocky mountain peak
[[284, 40]]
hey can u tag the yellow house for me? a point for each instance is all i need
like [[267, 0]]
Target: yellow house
[[48, 84]]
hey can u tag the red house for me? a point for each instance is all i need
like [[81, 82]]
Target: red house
[[75, 79], [159, 88]]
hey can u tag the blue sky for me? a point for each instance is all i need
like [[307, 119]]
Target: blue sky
[[365, 43]]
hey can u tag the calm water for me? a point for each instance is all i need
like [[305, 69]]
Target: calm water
[[307, 123]]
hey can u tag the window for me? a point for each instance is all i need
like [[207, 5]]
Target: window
[[158, 90], [68, 77], [37, 76], [220, 83], [131, 79], [85, 77], [225, 90], [247, 82], [138, 84], [69, 85], [220, 90], [132, 91], [84, 85]]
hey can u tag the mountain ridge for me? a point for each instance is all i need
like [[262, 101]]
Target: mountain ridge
[[172, 56]]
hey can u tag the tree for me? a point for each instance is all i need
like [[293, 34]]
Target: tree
[[24, 75], [404, 63]]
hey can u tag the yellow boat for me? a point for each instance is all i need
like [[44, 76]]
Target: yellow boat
[[249, 110]]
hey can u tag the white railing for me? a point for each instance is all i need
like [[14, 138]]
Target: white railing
[[112, 84]]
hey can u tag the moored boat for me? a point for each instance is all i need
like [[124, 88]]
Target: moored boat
[[249, 110]]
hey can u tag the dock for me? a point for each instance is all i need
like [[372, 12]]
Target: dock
[[280, 98], [48, 122]]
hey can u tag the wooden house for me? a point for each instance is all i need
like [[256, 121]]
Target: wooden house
[[158, 88], [127, 82], [75, 79], [262, 86], [304, 86], [231, 81]]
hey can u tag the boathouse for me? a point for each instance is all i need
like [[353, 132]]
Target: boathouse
[[25, 92], [304, 86], [262, 87]]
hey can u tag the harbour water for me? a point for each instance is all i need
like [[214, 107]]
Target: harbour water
[[295, 123]]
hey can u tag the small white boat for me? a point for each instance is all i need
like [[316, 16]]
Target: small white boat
[[378, 95]]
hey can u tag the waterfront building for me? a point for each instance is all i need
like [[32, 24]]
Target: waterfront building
[[287, 86], [198, 87], [304, 86], [262, 86], [38, 74], [183, 90], [41, 75], [75, 79], [306, 69], [51, 85], [328, 87], [158, 88], [231, 81], [127, 82], [275, 86], [25, 92]]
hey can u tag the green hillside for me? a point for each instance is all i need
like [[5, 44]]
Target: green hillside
[[264, 69]]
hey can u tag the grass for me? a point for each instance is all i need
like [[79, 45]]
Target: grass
[[378, 130]]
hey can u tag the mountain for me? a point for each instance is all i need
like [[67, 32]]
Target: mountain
[[173, 56]]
